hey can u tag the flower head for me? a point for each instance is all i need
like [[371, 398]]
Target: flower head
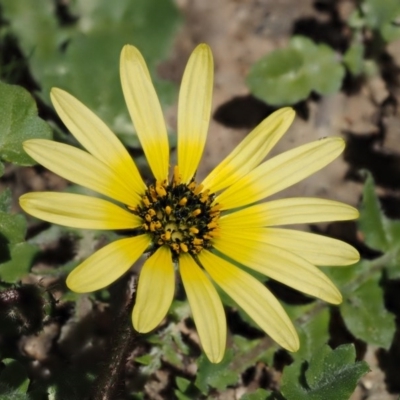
[[204, 228]]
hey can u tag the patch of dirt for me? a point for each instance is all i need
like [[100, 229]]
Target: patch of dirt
[[366, 114]]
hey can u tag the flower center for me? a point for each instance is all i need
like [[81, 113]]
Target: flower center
[[179, 215]]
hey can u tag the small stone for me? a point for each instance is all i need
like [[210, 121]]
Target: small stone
[[377, 88]]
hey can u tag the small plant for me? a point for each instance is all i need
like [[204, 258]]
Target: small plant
[[289, 75]]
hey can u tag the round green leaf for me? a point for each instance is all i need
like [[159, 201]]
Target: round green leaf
[[18, 122], [279, 78], [288, 75], [377, 13], [326, 73]]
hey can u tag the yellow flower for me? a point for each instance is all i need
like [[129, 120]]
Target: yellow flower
[[197, 227]]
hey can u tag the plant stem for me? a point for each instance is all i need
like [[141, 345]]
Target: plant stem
[[109, 382]]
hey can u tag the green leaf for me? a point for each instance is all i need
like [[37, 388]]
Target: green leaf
[[372, 222], [14, 395], [286, 76], [379, 14], [313, 334], [18, 122], [356, 20], [390, 32], [12, 228], [354, 58], [279, 78], [37, 30], [217, 376], [182, 383], [380, 232], [180, 396], [83, 58], [366, 317], [14, 377], [16, 255], [331, 375], [22, 255], [145, 360], [5, 200], [346, 278], [321, 65]]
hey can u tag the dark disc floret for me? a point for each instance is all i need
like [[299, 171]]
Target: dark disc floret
[[182, 216]]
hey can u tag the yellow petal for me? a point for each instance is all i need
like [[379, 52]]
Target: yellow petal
[[278, 264], [254, 298], [206, 306], [251, 151], [94, 135], [78, 211], [317, 249], [107, 264], [145, 110], [281, 172], [82, 168], [194, 110], [155, 291], [296, 210]]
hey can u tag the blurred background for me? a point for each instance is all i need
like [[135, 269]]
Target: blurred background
[[336, 62]]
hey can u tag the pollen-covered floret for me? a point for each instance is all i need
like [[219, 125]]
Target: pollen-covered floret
[[182, 216]]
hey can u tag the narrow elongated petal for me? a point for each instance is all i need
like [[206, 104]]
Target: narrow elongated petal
[[107, 264], [281, 172], [155, 291], [251, 151], [206, 306], [82, 168], [316, 249], [145, 110], [94, 135], [194, 110], [279, 264], [295, 210], [254, 298], [78, 211]]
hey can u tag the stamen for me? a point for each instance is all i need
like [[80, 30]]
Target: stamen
[[146, 201], [198, 189], [166, 236], [183, 201], [160, 189], [179, 215], [158, 225], [183, 247], [177, 177], [192, 185], [215, 208]]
